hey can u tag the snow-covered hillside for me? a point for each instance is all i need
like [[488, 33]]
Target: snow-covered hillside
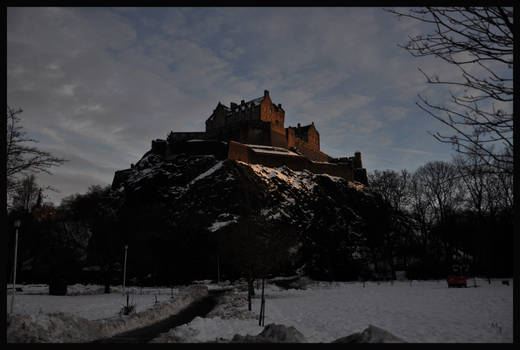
[[191, 201]]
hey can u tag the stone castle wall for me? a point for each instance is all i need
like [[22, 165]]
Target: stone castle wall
[[244, 153], [309, 151]]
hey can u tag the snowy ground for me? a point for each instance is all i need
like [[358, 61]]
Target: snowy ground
[[40, 318], [423, 311], [87, 301]]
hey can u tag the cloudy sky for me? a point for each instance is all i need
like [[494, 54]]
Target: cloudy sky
[[98, 84]]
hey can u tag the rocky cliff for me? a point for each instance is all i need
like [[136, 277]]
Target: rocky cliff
[[186, 214]]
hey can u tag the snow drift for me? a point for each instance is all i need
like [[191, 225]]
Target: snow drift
[[66, 328]]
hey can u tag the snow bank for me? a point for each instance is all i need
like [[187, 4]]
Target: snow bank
[[229, 317], [201, 330], [273, 333], [421, 311], [67, 328]]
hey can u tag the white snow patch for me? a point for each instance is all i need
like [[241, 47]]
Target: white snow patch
[[86, 301], [358, 186], [219, 224], [208, 172], [232, 219], [209, 329], [301, 180], [274, 216], [423, 311], [65, 327]]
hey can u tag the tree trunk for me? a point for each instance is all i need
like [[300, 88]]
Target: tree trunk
[[250, 289], [107, 280], [262, 305]]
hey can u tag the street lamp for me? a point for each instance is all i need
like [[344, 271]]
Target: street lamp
[[124, 269], [17, 224]]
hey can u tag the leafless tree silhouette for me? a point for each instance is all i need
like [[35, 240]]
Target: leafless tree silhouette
[[479, 42], [21, 157]]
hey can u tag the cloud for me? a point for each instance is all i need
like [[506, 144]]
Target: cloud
[[395, 113], [98, 84]]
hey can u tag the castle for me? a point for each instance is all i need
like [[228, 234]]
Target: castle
[[254, 132]]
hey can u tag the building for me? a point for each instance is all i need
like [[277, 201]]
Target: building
[[255, 132]]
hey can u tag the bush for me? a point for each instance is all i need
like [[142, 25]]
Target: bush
[[127, 309]]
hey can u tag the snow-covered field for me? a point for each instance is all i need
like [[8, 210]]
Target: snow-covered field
[[423, 311], [80, 321], [87, 301]]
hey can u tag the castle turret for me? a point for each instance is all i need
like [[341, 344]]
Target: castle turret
[[357, 160]]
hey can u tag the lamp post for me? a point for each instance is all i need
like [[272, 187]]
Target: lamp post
[[124, 269], [17, 224], [218, 270]]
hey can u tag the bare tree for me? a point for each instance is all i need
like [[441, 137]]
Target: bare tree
[[392, 186], [440, 184], [27, 194], [474, 179], [479, 42], [22, 158]]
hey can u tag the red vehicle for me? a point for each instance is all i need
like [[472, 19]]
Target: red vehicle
[[456, 281]]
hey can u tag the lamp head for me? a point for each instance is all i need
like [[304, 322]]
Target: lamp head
[[17, 223]]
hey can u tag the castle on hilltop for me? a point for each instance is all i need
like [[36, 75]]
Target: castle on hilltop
[[258, 122], [254, 132]]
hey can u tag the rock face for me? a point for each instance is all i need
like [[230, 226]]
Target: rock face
[[194, 210], [372, 334], [272, 333]]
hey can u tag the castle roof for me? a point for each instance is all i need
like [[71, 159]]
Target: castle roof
[[235, 107], [243, 106]]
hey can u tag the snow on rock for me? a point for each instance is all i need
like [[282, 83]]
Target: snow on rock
[[300, 180], [371, 334], [273, 333], [359, 187], [208, 172], [231, 219], [64, 328]]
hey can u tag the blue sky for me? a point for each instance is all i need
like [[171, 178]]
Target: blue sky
[[98, 84]]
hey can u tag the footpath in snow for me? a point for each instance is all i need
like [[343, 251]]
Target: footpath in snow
[[420, 311], [417, 311], [65, 327]]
